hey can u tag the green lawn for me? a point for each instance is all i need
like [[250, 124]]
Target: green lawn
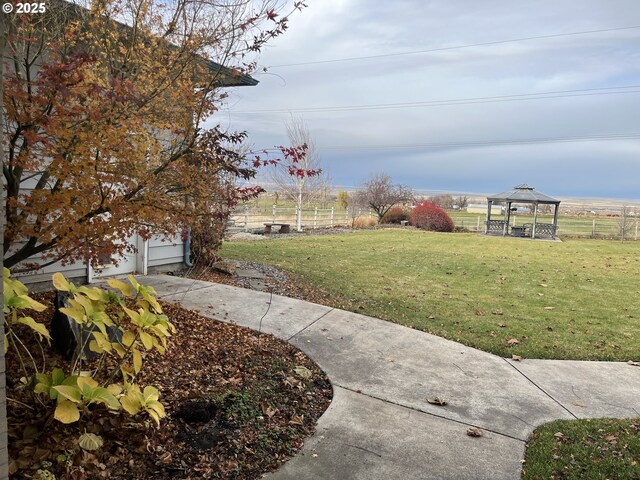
[[575, 300], [584, 449]]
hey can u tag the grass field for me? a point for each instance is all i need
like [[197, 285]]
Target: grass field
[[584, 449], [572, 300]]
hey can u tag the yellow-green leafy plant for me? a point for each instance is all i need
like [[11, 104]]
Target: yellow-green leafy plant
[[118, 330], [16, 304]]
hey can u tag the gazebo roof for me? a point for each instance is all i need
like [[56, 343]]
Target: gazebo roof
[[522, 194]]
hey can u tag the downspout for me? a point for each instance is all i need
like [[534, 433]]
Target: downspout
[[186, 256]]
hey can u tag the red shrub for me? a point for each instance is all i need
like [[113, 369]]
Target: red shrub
[[429, 216], [396, 215]]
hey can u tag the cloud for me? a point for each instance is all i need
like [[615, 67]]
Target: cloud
[[335, 29]]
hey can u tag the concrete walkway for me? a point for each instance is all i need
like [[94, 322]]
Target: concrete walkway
[[380, 424]]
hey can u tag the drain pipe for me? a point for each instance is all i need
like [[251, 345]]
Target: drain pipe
[[186, 256]]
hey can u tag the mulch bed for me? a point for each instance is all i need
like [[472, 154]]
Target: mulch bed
[[238, 405]]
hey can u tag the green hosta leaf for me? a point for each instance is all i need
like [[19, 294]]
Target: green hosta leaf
[[150, 394], [94, 293], [57, 376], [102, 395], [134, 282], [147, 340], [119, 350], [156, 418], [67, 412], [17, 287], [102, 317], [114, 389], [77, 313], [137, 360], [124, 288], [44, 383], [18, 301], [90, 442], [86, 385], [61, 283], [102, 342], [156, 407], [131, 403], [128, 338], [33, 305], [39, 328], [133, 315], [69, 392]]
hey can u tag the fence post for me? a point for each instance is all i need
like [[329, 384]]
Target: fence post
[[315, 218], [331, 221], [478, 224], [246, 218], [593, 228], [635, 237], [273, 214]]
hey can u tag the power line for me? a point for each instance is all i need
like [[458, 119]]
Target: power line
[[478, 143], [456, 47], [457, 101]]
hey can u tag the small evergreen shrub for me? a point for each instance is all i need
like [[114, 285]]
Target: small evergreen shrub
[[396, 215], [428, 216]]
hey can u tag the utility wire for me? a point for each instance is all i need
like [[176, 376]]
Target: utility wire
[[478, 143], [456, 47], [588, 92]]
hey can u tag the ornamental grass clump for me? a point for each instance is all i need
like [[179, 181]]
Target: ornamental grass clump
[[396, 215], [428, 216]]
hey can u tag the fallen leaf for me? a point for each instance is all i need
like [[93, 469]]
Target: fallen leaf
[[90, 442], [517, 358], [437, 401], [634, 364], [304, 372], [475, 432], [559, 435], [502, 325], [513, 341]]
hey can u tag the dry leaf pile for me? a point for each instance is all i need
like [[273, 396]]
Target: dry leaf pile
[[239, 404]]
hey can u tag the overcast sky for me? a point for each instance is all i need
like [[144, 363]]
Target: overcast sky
[[477, 145]]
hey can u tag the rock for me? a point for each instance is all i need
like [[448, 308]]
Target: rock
[[68, 335], [225, 266]]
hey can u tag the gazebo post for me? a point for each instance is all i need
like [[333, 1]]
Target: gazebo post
[[507, 216], [555, 220], [486, 228], [535, 220]]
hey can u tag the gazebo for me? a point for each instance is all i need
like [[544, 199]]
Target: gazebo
[[522, 194]]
